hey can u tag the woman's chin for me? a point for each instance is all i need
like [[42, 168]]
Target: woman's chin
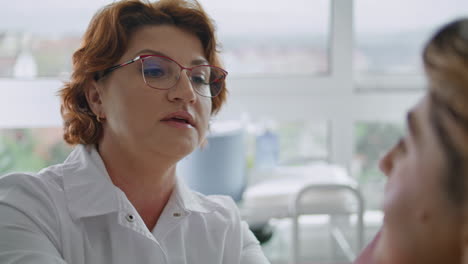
[[382, 254]]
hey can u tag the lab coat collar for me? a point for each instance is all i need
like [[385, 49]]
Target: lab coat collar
[[192, 201], [90, 191], [88, 187]]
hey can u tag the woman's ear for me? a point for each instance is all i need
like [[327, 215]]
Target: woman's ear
[[94, 99]]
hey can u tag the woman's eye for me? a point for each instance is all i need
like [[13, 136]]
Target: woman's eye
[[154, 72], [199, 79]]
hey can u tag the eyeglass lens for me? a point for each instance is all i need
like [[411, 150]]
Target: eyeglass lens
[[163, 73]]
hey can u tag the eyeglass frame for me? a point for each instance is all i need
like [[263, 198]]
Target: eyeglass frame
[[142, 57]]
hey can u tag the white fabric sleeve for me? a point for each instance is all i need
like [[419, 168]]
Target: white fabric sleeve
[[29, 229], [251, 252], [248, 249]]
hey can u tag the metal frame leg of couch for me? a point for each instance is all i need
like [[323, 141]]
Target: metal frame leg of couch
[[295, 212]]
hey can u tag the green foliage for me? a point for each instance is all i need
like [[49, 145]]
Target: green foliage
[[374, 139], [18, 152], [58, 152]]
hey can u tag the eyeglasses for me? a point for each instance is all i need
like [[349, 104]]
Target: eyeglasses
[[163, 73]]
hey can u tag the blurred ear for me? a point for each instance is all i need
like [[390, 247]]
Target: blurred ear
[[93, 96]]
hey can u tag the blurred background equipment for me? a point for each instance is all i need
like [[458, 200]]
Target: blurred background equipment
[[219, 167]]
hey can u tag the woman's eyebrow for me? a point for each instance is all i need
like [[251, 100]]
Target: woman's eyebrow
[[200, 61], [150, 52]]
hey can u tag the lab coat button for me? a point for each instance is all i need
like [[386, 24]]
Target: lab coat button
[[130, 218]]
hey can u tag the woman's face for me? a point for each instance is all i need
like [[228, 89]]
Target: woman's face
[[144, 120], [421, 224]]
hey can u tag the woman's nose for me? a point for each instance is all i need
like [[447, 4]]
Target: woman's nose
[[386, 162], [183, 90]]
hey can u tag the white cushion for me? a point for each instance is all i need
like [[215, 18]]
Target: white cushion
[[272, 198]]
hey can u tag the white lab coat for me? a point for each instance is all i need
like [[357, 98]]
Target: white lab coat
[[72, 213]]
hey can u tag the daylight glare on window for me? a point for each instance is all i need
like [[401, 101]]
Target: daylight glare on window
[[273, 37], [389, 35], [37, 38], [267, 38]]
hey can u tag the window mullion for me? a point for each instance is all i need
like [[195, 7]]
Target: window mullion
[[341, 33]]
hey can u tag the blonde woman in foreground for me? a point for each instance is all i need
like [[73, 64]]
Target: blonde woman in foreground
[[426, 198]]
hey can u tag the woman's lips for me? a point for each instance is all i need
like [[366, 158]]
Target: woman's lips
[[177, 123], [179, 119]]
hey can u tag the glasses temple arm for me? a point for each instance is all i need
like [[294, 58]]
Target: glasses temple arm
[[115, 67]]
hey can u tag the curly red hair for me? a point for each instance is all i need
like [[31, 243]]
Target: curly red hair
[[106, 40]]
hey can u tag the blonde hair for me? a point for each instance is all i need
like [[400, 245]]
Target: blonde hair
[[446, 65]]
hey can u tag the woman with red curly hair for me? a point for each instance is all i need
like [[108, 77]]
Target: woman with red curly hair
[[145, 82]]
